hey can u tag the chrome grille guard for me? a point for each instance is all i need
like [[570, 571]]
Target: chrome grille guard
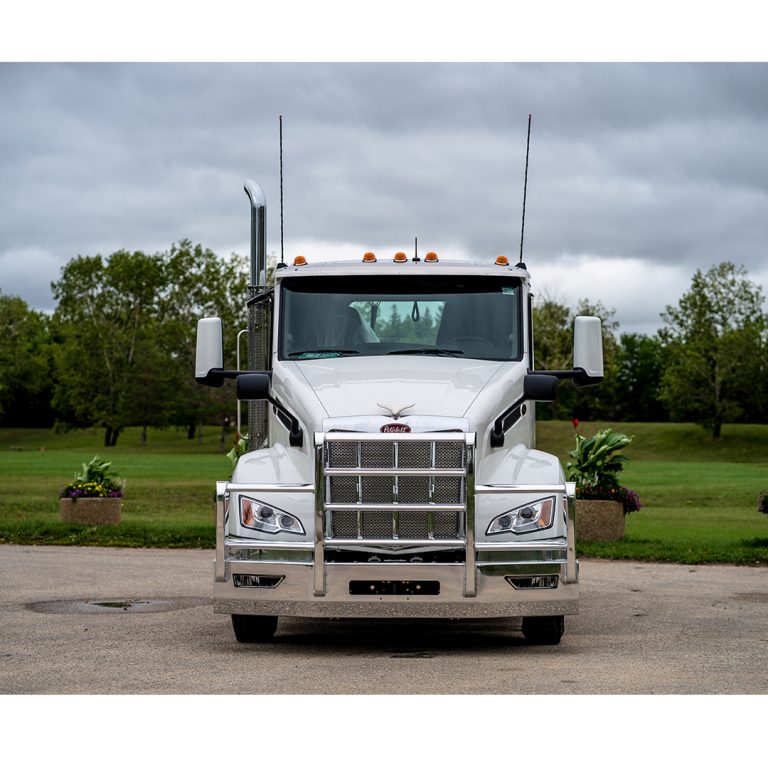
[[361, 477]]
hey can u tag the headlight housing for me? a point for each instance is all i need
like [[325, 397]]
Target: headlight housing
[[536, 516], [264, 517]]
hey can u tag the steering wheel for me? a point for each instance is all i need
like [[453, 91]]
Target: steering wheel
[[472, 340]]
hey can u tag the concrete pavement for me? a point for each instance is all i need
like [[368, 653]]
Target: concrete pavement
[[140, 621]]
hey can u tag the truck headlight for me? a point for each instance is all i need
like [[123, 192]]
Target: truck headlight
[[264, 517], [536, 516]]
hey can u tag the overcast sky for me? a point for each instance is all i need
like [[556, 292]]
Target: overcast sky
[[639, 173]]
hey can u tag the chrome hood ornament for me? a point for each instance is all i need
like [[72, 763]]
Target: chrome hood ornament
[[394, 411]]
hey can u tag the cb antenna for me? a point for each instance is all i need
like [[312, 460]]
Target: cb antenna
[[521, 263], [282, 256]]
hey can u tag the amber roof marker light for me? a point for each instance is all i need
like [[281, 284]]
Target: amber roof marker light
[[300, 261], [400, 257], [431, 256], [369, 257], [502, 261]]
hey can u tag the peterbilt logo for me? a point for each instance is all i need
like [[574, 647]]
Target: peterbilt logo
[[389, 428]]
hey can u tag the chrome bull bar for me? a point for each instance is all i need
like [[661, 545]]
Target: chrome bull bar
[[325, 506]]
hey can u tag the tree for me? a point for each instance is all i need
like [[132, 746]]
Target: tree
[[105, 312], [553, 345], [553, 334], [25, 365], [200, 284], [126, 331], [716, 343], [641, 363]]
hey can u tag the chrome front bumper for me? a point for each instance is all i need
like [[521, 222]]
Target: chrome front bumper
[[495, 573]]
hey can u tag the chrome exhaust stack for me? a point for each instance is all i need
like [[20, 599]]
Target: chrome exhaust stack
[[258, 277], [259, 311]]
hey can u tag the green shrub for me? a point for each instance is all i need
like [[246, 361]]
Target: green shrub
[[239, 447], [597, 466]]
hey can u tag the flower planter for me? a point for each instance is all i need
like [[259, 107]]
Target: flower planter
[[598, 520], [91, 511]]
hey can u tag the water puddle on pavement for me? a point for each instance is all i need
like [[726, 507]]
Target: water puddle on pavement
[[117, 605], [751, 597]]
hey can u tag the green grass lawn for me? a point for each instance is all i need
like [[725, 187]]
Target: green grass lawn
[[699, 496], [168, 496]]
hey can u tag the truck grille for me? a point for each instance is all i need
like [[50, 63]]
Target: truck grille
[[388, 488]]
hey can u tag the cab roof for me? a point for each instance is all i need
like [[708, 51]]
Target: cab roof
[[389, 267]]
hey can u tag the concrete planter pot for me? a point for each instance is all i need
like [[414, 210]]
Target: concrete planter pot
[[91, 511], [598, 520]]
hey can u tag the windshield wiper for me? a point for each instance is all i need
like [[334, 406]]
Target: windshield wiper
[[329, 352], [428, 351]]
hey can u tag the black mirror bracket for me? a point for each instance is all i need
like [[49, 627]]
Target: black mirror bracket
[[506, 421], [579, 376], [295, 432], [215, 377], [541, 387], [252, 385]]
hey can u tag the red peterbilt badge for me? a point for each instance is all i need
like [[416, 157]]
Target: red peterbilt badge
[[389, 428]]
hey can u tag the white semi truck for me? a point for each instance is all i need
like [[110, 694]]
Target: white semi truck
[[392, 468]]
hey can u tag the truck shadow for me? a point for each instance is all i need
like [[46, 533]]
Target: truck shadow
[[402, 638]]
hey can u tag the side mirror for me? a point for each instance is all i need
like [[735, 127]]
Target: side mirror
[[253, 386], [588, 350], [539, 386], [209, 355]]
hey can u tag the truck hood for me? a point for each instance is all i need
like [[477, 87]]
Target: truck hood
[[434, 386]]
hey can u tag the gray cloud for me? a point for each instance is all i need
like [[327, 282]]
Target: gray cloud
[[637, 164]]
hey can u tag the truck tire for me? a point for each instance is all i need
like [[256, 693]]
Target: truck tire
[[543, 630], [254, 629]]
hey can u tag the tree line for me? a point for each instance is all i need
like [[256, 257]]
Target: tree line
[[119, 349], [708, 364]]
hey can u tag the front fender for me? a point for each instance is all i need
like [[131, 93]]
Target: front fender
[[277, 464], [520, 465]]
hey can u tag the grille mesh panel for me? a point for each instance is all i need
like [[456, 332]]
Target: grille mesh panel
[[377, 525], [414, 455], [395, 489], [342, 455], [377, 455], [344, 490], [378, 490], [413, 490], [449, 455], [344, 524], [448, 490], [447, 524], [413, 525]]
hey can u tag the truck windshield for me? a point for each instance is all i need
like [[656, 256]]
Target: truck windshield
[[451, 316]]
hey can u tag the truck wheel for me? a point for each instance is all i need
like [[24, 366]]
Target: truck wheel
[[543, 630], [254, 629]]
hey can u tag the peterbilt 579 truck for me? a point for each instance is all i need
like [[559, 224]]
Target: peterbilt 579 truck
[[391, 468]]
